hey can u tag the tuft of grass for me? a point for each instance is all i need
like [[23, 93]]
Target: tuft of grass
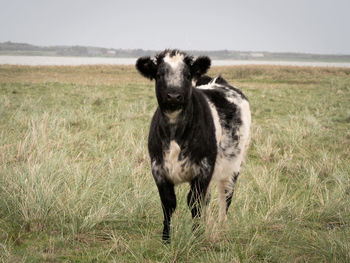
[[76, 186]]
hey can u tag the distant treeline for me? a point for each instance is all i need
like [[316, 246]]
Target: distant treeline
[[10, 48]]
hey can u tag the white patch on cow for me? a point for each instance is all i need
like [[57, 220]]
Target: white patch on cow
[[206, 86], [233, 97], [223, 174], [178, 171], [216, 119], [176, 63], [245, 127], [172, 115], [175, 59]]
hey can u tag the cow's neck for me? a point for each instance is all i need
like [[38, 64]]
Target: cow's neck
[[177, 127]]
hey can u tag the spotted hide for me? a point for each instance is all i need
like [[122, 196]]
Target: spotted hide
[[199, 132]]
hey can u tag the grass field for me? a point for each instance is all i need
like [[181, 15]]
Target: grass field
[[76, 186]]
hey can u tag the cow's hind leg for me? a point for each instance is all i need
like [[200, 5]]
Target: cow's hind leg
[[226, 189], [168, 198]]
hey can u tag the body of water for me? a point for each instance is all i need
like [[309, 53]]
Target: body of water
[[64, 61], [75, 61]]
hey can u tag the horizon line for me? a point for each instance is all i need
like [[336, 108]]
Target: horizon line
[[195, 50]]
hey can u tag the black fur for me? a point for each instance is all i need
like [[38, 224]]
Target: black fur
[[195, 133], [146, 67], [200, 66], [203, 80]]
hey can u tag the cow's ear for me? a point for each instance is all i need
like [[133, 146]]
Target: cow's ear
[[200, 66], [147, 67]]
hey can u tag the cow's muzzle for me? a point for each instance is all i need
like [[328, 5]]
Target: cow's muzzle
[[174, 98]]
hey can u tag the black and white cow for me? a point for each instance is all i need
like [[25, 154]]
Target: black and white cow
[[199, 132]]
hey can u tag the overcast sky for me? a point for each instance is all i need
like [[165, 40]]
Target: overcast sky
[[311, 26]]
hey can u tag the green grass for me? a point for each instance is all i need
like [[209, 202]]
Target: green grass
[[76, 186]]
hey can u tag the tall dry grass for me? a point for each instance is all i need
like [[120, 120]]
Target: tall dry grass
[[75, 182]]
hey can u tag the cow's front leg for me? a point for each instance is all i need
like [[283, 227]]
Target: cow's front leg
[[168, 199], [198, 192]]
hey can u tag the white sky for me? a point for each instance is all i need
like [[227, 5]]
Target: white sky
[[311, 26]]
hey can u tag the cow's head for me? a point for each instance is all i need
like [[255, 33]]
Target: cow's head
[[174, 72]]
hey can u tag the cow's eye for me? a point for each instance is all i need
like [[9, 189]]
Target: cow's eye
[[187, 75]]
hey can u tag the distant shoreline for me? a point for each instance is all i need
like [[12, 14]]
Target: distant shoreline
[[24, 49], [77, 61]]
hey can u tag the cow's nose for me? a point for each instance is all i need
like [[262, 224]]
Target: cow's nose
[[174, 97]]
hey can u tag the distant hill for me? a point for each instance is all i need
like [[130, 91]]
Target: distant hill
[[11, 48]]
